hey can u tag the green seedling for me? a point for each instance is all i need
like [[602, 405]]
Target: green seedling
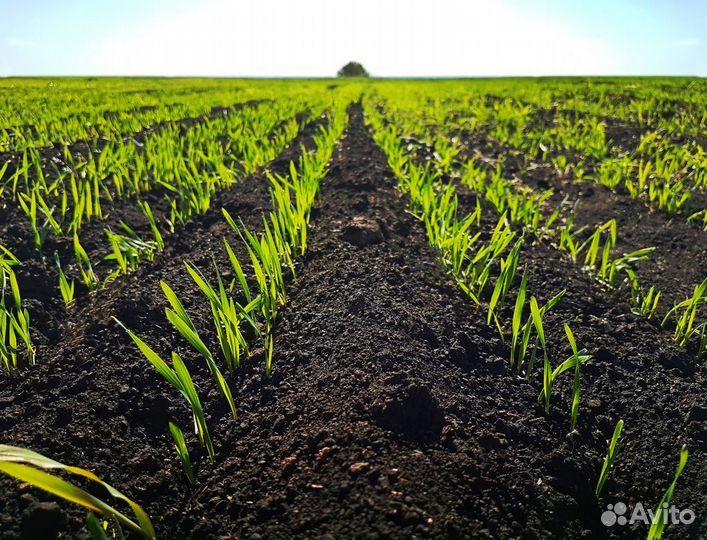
[[614, 447], [661, 515], [182, 450]]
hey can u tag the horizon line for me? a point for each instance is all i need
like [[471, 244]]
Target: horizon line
[[334, 77]]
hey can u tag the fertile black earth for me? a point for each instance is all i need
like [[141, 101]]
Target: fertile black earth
[[392, 412]]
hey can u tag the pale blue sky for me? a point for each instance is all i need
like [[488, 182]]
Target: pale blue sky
[[390, 37]]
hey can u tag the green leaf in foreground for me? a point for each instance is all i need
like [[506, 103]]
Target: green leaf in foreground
[[25, 465]]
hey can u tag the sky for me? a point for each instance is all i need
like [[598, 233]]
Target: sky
[[391, 38]]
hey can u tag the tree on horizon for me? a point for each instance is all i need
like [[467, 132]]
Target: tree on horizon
[[353, 69]]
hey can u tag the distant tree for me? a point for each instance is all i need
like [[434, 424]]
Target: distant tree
[[352, 69]]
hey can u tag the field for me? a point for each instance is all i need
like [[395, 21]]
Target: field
[[353, 309]]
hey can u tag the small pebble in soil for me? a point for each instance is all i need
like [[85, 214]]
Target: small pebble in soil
[[359, 467], [322, 455]]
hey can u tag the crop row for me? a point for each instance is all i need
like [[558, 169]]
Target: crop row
[[243, 309], [486, 264]]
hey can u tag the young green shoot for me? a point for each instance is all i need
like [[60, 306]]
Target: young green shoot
[[84, 263], [66, 287], [685, 314], [157, 235], [179, 377], [614, 446], [662, 513], [182, 450], [182, 322], [547, 370], [518, 315], [577, 380]]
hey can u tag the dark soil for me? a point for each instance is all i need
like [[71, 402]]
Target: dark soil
[[392, 412]]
